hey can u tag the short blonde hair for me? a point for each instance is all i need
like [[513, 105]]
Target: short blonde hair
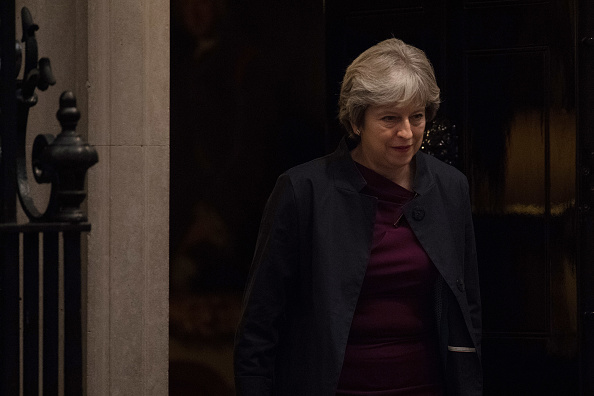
[[390, 72]]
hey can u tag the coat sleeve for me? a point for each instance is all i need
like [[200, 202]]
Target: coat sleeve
[[271, 277], [471, 274], [464, 370]]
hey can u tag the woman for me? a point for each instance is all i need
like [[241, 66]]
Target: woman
[[364, 279]]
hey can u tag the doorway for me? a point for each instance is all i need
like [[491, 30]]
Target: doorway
[[247, 102], [507, 70]]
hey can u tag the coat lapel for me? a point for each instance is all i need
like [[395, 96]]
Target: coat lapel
[[354, 213], [427, 218]]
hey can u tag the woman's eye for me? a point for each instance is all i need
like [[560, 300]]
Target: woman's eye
[[418, 118]]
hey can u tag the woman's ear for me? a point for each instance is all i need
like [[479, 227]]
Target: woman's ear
[[356, 130]]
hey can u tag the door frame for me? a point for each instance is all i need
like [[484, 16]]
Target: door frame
[[585, 192]]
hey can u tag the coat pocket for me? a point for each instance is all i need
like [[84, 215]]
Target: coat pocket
[[460, 349]]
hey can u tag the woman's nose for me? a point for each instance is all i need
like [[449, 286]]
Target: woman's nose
[[405, 130]]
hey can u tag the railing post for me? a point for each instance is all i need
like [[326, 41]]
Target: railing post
[[31, 313], [9, 314], [9, 244], [7, 111], [51, 323], [72, 314]]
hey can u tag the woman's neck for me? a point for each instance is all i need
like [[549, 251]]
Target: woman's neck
[[402, 175]]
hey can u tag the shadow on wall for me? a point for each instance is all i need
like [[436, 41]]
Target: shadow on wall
[[247, 102]]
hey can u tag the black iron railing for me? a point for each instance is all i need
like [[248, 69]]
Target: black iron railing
[[40, 260]]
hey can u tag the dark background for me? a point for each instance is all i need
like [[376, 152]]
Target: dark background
[[254, 86], [247, 102]]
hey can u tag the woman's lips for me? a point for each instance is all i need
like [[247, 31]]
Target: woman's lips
[[401, 148]]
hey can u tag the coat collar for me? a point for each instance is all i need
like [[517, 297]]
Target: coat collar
[[424, 178], [347, 176]]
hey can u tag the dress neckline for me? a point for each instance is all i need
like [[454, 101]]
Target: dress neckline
[[384, 188]]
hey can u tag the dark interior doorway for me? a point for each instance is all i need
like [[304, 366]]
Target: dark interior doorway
[[247, 102], [253, 91]]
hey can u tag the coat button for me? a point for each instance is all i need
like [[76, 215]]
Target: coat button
[[460, 285], [418, 213]]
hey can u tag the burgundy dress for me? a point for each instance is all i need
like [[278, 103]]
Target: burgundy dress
[[392, 345]]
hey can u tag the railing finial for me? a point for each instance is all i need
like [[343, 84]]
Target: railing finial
[[63, 160]]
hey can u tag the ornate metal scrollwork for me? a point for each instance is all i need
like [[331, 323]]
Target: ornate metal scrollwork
[[63, 160]]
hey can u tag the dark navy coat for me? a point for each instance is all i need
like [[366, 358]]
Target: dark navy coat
[[309, 264]]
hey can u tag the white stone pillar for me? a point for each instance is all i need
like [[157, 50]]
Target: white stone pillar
[[128, 271]]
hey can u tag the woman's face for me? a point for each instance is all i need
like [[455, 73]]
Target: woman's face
[[390, 137]]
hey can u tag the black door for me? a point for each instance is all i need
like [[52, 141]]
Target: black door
[[507, 70]]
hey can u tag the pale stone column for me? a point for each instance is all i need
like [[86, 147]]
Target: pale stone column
[[114, 55], [128, 272]]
